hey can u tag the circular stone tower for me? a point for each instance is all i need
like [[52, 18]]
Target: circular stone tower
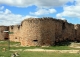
[[38, 32]]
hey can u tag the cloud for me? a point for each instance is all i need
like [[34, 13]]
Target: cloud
[[8, 18], [52, 10], [7, 11], [43, 11], [39, 3], [2, 7], [70, 11], [77, 2]]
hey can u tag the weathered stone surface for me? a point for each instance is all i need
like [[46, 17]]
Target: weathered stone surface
[[43, 32], [68, 31], [77, 30], [4, 35], [14, 34], [38, 32]]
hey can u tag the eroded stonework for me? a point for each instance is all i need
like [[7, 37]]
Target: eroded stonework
[[43, 32], [4, 35]]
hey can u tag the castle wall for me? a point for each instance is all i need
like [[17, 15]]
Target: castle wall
[[4, 35], [68, 31], [77, 30], [31, 32], [58, 30], [41, 32], [14, 34], [38, 32], [48, 31]]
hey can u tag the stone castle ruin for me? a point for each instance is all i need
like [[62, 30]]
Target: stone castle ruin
[[4, 36], [41, 32]]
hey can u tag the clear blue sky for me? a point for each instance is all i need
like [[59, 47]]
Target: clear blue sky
[[14, 11]]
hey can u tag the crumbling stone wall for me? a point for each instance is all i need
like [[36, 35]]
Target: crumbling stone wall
[[77, 32], [64, 31], [4, 35], [14, 33], [31, 32], [46, 31], [68, 32], [42, 32], [58, 30], [38, 32]]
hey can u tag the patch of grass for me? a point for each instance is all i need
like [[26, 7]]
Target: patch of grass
[[23, 48], [48, 48], [58, 48], [7, 53], [47, 54], [13, 43], [3, 42], [7, 45], [39, 54], [4, 54]]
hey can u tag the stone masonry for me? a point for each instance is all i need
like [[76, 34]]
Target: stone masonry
[[42, 32], [4, 35]]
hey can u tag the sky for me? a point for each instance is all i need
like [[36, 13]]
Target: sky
[[12, 12]]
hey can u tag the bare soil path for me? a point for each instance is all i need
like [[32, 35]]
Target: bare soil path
[[45, 50]]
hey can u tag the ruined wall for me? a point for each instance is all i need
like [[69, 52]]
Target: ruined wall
[[58, 30], [38, 32], [31, 32], [4, 35], [64, 31], [77, 32], [48, 31], [14, 33], [43, 32], [68, 31]]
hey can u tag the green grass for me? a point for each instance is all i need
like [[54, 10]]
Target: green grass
[[3, 42], [7, 53], [6, 44], [58, 48], [47, 54], [40, 54], [48, 48], [13, 43], [4, 54], [9, 42]]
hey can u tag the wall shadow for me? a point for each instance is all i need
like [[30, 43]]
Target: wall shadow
[[63, 43]]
